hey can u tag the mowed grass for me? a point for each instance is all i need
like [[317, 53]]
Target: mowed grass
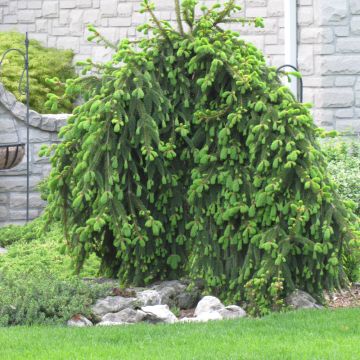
[[319, 334]]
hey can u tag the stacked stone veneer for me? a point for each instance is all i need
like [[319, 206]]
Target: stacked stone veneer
[[43, 130], [329, 59]]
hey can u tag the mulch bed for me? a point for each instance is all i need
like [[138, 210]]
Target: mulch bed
[[344, 298]]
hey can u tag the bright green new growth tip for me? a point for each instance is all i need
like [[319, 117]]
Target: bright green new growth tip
[[191, 158]]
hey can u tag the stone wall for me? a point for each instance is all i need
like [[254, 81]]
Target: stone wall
[[329, 59], [63, 23], [43, 130]]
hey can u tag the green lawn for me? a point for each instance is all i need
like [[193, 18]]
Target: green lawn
[[325, 334]]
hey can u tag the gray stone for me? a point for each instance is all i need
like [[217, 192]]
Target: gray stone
[[254, 12], [342, 30], [305, 15], [83, 3], [148, 297], [208, 304], [108, 8], [333, 98], [333, 12], [125, 9], [348, 125], [67, 4], [3, 251], [79, 321], [26, 16], [275, 8], [169, 291], [187, 300], [355, 7], [112, 304], [316, 35], [348, 45], [301, 300], [344, 113], [125, 316], [345, 81], [343, 65], [4, 199], [158, 314], [34, 4], [355, 25], [17, 183], [50, 8], [232, 312]]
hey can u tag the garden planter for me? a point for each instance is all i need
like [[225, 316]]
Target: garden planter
[[11, 155]]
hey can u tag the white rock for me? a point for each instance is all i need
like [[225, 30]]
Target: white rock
[[125, 316], [210, 316], [204, 317], [232, 312], [3, 251], [79, 321], [159, 314], [208, 304], [112, 304], [149, 297]]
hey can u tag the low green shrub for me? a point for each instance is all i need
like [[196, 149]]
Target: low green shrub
[[48, 256], [44, 299], [344, 168], [44, 63], [25, 233], [38, 284], [31, 250]]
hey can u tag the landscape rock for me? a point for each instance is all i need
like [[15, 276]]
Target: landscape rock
[[112, 304], [204, 317], [158, 314], [208, 304], [79, 321], [301, 300], [187, 300], [3, 251], [148, 297], [126, 316], [169, 291], [232, 312]]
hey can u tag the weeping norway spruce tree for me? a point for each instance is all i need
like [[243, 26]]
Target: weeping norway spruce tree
[[190, 158]]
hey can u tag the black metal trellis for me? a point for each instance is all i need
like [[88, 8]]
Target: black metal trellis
[[299, 83], [19, 147]]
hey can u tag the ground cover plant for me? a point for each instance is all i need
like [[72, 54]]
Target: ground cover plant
[[38, 284], [190, 157], [44, 63], [30, 249], [325, 334]]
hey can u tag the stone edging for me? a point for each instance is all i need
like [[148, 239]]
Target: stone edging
[[46, 122]]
